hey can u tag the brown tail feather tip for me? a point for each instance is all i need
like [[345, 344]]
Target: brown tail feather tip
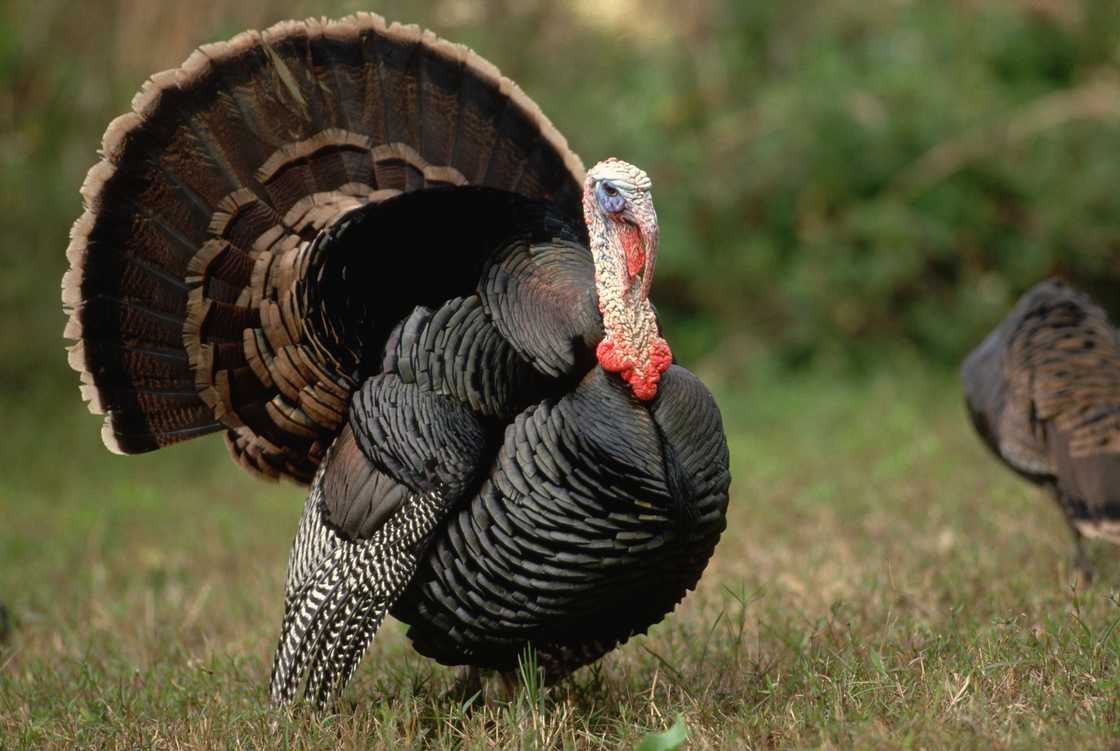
[[109, 438]]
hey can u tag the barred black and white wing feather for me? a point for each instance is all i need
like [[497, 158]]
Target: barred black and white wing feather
[[366, 525]]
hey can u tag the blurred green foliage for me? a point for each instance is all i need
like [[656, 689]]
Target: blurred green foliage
[[857, 174], [834, 177]]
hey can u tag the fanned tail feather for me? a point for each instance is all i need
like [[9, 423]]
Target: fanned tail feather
[[187, 285]]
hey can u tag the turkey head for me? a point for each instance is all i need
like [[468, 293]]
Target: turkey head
[[622, 226]]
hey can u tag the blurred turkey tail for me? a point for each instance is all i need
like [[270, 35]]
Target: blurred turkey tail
[[186, 266]]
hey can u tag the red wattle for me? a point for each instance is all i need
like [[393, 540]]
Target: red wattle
[[610, 358], [642, 382], [632, 243]]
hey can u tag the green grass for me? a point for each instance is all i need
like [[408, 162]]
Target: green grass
[[882, 583]]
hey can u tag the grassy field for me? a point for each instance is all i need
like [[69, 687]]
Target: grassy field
[[882, 584]]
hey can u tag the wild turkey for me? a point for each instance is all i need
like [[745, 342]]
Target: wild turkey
[[374, 263], [1043, 391]]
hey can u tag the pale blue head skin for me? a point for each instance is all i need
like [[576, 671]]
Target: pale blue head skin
[[610, 197]]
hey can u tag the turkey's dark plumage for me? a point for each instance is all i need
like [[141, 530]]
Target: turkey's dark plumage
[[1043, 391], [361, 253], [573, 540]]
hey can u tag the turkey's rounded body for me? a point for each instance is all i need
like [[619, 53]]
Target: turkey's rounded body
[[575, 542]]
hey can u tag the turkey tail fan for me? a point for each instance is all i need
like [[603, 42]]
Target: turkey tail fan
[[186, 289]]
